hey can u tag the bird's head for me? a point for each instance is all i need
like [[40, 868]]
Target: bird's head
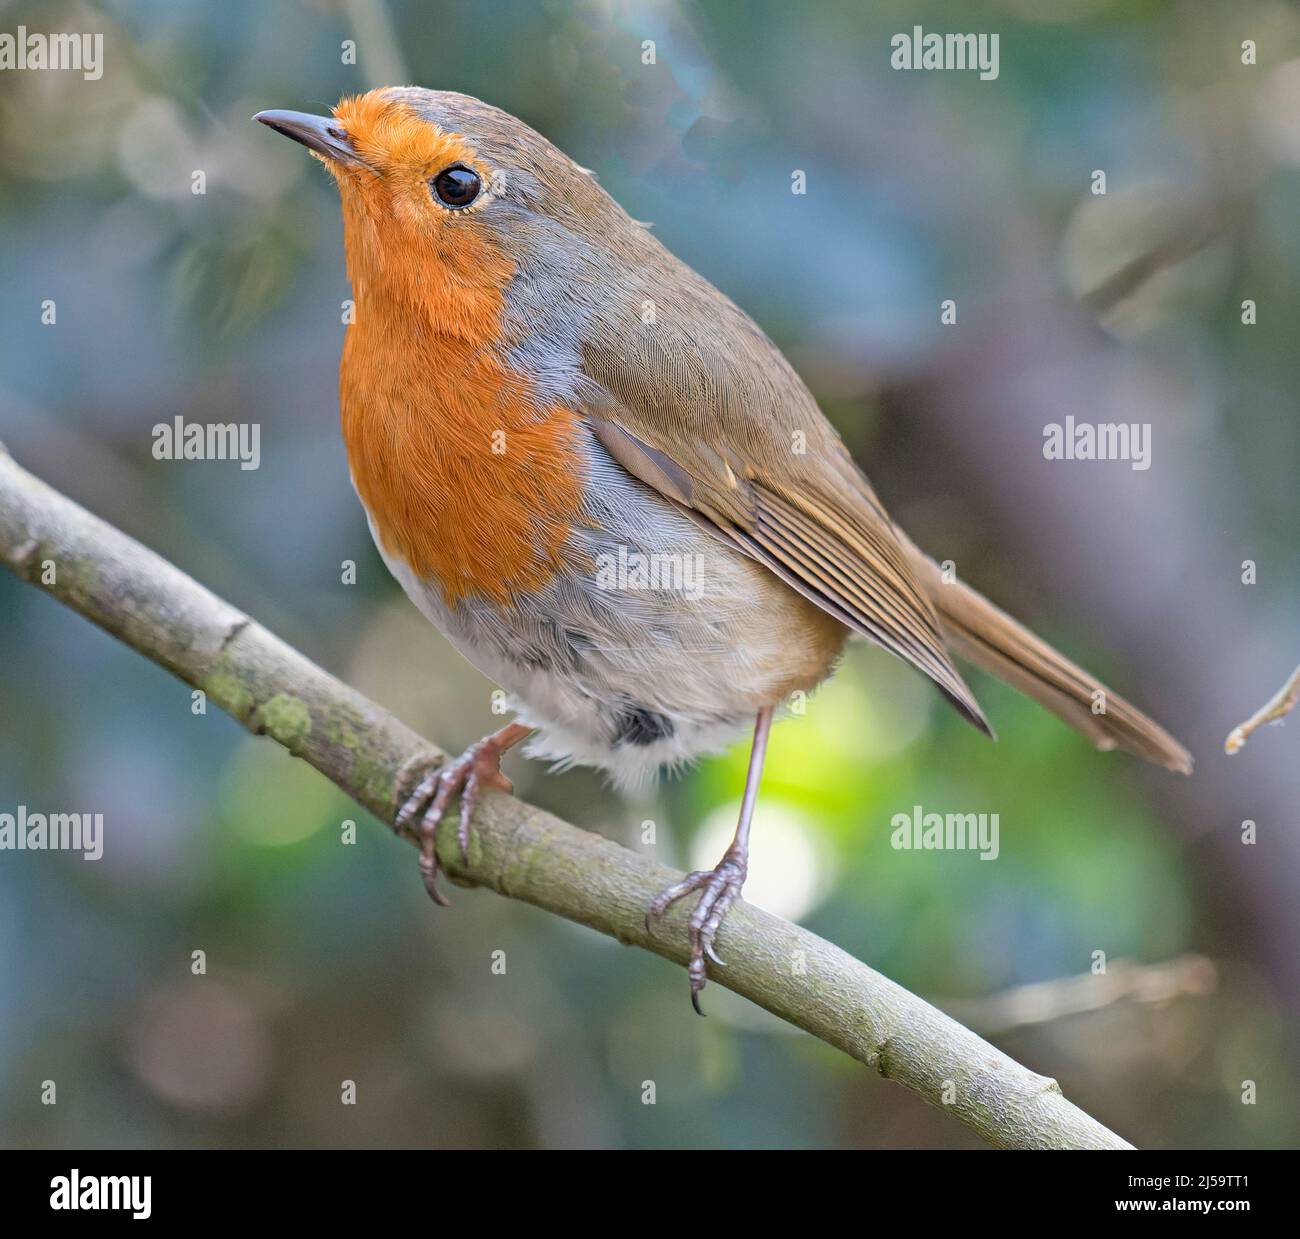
[[443, 190]]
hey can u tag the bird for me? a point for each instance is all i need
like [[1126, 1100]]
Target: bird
[[609, 489]]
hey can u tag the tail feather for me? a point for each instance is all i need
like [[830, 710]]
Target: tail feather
[[979, 632]]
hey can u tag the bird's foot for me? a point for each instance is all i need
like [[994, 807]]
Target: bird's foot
[[718, 887], [477, 767]]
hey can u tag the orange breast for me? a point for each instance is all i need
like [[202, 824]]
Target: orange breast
[[464, 477]]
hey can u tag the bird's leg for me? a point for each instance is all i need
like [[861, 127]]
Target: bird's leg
[[477, 766], [720, 886]]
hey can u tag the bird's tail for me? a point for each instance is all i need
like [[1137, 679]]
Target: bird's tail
[[979, 632]]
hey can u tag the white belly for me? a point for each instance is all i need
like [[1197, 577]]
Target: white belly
[[663, 652]]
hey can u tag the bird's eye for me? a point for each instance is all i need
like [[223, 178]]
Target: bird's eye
[[457, 186]]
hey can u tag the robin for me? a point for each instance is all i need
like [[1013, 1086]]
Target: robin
[[607, 487]]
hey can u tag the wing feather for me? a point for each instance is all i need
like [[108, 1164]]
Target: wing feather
[[849, 564]]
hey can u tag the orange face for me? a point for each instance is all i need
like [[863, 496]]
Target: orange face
[[405, 149], [465, 476], [404, 222]]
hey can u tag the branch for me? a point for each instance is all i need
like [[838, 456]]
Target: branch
[[517, 850], [1273, 711], [1188, 976]]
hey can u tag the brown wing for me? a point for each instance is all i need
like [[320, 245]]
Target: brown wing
[[702, 407]]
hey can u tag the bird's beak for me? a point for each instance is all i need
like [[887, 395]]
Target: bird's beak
[[322, 134]]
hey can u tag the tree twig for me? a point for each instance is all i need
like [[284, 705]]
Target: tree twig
[[517, 850], [1272, 711], [1187, 976]]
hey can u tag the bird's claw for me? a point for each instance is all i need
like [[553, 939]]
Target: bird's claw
[[719, 889], [478, 766]]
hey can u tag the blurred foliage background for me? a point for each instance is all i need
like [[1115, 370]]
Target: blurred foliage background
[[326, 962]]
